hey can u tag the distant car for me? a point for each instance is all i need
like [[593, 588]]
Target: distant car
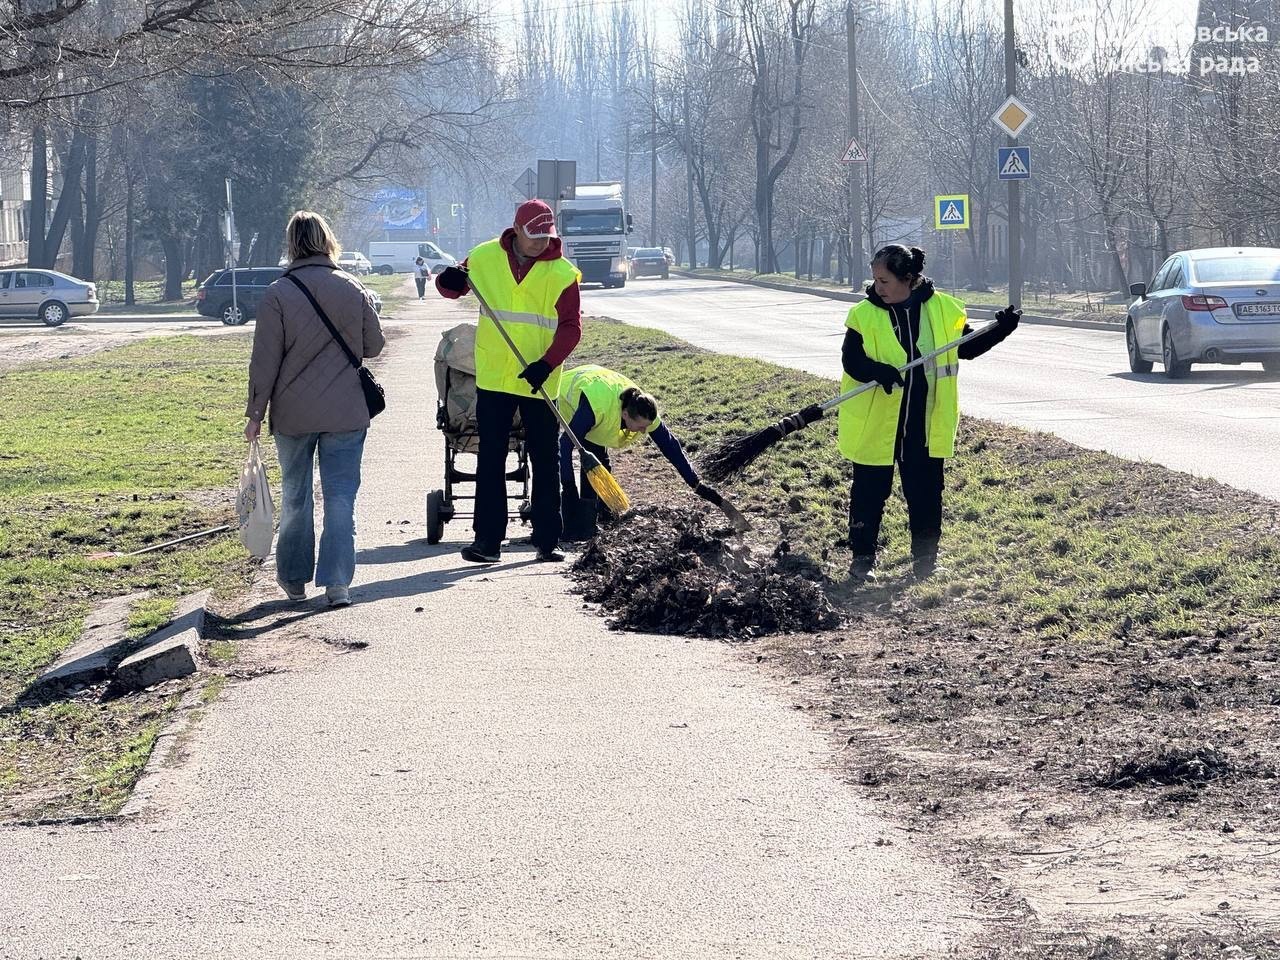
[[1213, 305], [213, 297], [649, 262], [355, 262], [46, 295]]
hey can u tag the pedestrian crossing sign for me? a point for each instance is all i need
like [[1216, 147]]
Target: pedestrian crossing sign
[[951, 212], [1013, 163]]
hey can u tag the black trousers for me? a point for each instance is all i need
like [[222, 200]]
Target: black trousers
[[922, 482], [422, 286], [580, 506], [494, 413]]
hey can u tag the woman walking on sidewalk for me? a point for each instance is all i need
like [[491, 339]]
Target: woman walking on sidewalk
[[316, 403], [902, 319]]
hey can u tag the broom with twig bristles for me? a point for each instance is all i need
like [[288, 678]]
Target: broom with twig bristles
[[734, 456], [601, 480]]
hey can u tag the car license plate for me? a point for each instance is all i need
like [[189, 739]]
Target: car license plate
[[1258, 309]]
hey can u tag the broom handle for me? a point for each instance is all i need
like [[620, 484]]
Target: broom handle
[[836, 401], [583, 451]]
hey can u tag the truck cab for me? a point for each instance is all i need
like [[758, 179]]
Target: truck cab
[[593, 228]]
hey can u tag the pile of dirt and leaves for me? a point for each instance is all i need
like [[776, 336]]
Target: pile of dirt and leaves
[[678, 570]]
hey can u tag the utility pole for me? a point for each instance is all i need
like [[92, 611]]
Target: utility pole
[[597, 158], [653, 156], [857, 267], [1015, 210]]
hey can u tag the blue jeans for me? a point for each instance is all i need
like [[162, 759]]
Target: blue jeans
[[340, 455]]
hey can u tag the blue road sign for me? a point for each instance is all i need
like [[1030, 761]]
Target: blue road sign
[[1013, 163], [951, 212]]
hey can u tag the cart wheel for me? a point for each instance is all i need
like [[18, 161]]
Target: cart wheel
[[435, 516], [526, 511]]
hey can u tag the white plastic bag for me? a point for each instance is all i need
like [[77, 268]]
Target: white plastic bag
[[257, 512]]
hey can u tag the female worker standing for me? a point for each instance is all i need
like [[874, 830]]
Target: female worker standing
[[606, 411], [902, 319]]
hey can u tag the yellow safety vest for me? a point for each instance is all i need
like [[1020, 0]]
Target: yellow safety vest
[[527, 311], [603, 389], [869, 422]]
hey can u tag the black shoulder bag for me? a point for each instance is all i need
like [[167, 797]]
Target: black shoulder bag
[[374, 396]]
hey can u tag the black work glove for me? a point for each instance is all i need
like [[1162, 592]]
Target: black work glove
[[535, 374], [709, 494], [1008, 318], [801, 419], [454, 279], [887, 375]]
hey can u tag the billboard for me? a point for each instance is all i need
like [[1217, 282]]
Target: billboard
[[401, 209]]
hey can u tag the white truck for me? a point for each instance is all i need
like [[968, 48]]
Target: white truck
[[593, 227], [397, 256]]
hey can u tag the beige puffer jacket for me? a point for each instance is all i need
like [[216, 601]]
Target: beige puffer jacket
[[297, 369]]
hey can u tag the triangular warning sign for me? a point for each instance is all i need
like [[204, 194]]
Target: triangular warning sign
[[854, 153], [1013, 167], [951, 213]]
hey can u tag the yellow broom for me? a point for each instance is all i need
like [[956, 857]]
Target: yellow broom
[[601, 480]]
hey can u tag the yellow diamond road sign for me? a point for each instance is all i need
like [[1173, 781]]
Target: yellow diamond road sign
[[1012, 117]]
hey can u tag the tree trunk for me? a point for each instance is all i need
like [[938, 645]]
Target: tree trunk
[[84, 241], [173, 272], [39, 196], [68, 199]]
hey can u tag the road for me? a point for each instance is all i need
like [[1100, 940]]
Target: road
[[1221, 422]]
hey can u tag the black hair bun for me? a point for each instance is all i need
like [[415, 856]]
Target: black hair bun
[[917, 259]]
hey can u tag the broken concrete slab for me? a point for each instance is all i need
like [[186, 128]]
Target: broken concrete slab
[[101, 645], [170, 652]]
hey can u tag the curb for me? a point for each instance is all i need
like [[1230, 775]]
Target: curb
[[976, 311]]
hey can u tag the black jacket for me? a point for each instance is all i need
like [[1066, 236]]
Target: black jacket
[[905, 318]]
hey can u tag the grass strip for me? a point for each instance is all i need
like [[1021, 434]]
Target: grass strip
[[111, 452]]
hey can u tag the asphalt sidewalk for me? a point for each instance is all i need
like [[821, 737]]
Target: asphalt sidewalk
[[496, 774]]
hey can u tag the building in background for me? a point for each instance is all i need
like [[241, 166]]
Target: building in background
[[15, 200]]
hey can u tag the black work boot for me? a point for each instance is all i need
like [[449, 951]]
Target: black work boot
[[861, 569], [924, 557]]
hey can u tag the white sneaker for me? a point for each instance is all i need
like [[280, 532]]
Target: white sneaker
[[293, 589], [338, 596]]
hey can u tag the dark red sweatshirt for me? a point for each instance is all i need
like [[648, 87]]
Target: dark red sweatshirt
[[568, 307]]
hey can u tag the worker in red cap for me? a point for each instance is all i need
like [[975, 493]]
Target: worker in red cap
[[534, 291]]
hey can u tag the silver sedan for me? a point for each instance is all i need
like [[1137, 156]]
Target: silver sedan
[[46, 295], [1215, 305]]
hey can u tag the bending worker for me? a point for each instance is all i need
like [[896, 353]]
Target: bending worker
[[534, 290], [606, 411], [902, 319]]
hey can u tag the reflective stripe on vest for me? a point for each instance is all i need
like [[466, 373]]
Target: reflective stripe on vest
[[603, 389], [869, 422], [528, 313]]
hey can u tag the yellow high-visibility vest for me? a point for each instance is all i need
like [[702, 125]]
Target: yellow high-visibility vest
[[869, 422], [603, 389], [527, 311]]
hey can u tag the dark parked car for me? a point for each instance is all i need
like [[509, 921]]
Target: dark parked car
[[213, 297], [649, 262]]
